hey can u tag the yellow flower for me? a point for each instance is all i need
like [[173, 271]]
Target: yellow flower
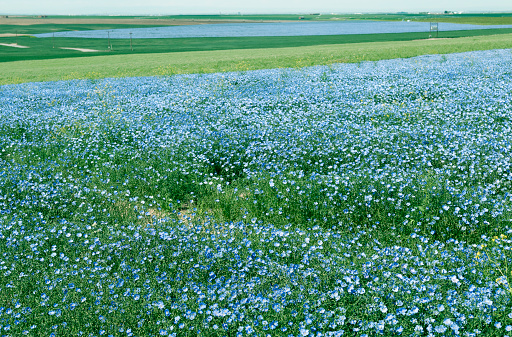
[[501, 280]]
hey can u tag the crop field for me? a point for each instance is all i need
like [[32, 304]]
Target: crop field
[[24, 58], [20, 30], [48, 48], [361, 199], [106, 66]]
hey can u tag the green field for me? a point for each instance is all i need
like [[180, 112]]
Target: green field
[[235, 59], [49, 48], [49, 59], [470, 18]]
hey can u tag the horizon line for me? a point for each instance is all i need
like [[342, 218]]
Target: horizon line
[[238, 13]]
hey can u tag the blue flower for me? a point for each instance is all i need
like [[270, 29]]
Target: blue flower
[[440, 328]]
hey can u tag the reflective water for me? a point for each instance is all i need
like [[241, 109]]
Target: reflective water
[[270, 29]]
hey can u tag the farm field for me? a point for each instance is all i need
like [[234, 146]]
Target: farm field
[[95, 67], [475, 18], [58, 47], [360, 199], [48, 48], [51, 59]]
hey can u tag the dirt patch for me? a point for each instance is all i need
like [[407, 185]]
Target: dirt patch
[[12, 35], [185, 216], [13, 45], [435, 38], [83, 50]]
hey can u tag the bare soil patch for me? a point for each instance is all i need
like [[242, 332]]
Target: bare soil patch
[[12, 35], [13, 45], [83, 50], [435, 38]]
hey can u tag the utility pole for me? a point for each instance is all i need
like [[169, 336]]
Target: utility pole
[[131, 47], [53, 40], [108, 36], [434, 26]]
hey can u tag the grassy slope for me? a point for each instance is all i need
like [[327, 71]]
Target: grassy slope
[[42, 48], [236, 60]]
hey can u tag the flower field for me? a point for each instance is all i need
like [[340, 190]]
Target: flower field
[[360, 199]]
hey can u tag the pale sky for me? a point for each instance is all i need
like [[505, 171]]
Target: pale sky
[[170, 7]]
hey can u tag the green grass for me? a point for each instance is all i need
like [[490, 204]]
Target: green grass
[[50, 28], [472, 18], [236, 59], [476, 20], [43, 48]]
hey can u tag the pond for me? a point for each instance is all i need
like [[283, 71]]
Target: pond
[[270, 29]]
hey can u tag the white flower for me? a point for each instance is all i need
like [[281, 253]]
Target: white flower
[[159, 304], [304, 332]]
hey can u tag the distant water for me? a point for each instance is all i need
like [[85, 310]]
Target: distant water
[[270, 29]]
